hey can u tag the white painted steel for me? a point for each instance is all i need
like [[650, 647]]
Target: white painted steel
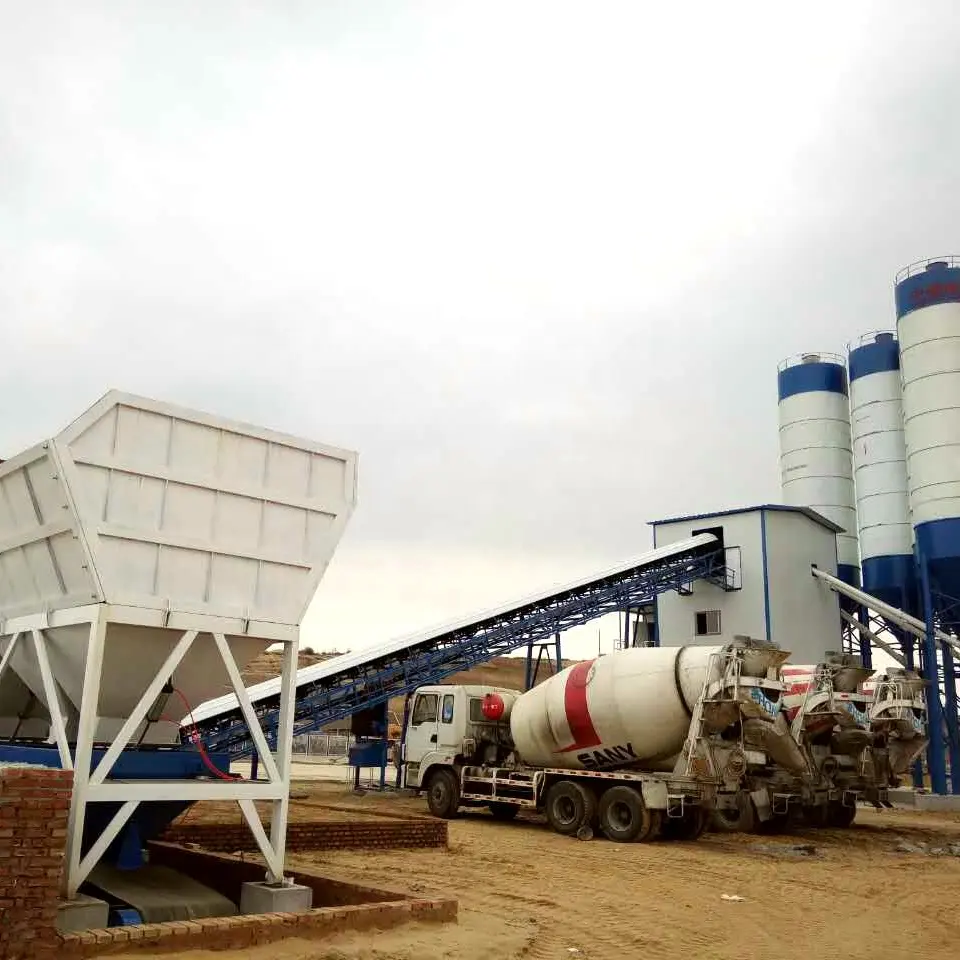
[[97, 788], [145, 504], [880, 465], [816, 462], [632, 697], [349, 661], [173, 520], [885, 610], [930, 372]]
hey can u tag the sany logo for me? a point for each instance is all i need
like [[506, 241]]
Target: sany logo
[[575, 706], [769, 707], [859, 715]]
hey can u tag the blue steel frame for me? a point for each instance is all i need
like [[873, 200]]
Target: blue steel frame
[[943, 611], [393, 675]]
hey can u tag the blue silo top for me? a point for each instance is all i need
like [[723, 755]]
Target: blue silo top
[[938, 282], [811, 375], [880, 356]]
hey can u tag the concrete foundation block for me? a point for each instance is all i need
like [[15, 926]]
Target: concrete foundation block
[[83, 913], [264, 897], [947, 803], [902, 797]]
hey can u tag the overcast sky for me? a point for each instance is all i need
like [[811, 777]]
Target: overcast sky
[[536, 262]]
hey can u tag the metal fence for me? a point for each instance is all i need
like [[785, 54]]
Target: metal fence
[[321, 746]]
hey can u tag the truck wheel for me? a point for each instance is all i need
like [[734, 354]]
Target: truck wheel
[[624, 818], [569, 806], [739, 819], [817, 815], [688, 827], [443, 794], [503, 811], [840, 815]]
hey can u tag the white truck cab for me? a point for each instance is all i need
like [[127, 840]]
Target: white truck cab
[[443, 728]]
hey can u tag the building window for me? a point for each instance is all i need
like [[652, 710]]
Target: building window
[[708, 623]]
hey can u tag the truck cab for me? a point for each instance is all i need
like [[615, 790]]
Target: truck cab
[[446, 728]]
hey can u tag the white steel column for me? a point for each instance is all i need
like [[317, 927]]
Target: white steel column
[[143, 706], [83, 758], [281, 807], [53, 699], [246, 708], [8, 653]]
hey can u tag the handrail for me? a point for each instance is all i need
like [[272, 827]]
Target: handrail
[[918, 266], [796, 359]]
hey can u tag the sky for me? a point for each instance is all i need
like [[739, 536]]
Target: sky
[[536, 262]]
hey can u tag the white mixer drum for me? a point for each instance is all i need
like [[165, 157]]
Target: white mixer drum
[[630, 708]]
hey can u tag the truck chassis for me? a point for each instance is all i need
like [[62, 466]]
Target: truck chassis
[[627, 806]]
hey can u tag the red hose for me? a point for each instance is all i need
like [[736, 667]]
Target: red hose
[[194, 735]]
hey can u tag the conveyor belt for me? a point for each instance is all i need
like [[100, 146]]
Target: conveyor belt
[[356, 681]]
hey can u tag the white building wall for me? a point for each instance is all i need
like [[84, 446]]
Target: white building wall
[[804, 614], [741, 611]]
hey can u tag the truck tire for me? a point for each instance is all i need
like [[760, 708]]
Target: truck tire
[[624, 817], [739, 819], [443, 794], [841, 816], [503, 811], [817, 815], [690, 826], [569, 806]]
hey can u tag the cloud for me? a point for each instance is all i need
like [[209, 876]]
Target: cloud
[[537, 266]]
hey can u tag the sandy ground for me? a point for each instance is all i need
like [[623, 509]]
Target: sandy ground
[[526, 892]]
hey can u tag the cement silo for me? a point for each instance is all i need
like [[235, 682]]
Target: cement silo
[[927, 296], [816, 462], [880, 472]]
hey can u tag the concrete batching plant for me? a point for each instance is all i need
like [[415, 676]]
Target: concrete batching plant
[[886, 465]]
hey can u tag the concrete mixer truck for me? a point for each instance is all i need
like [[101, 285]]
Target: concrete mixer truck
[[643, 742], [857, 736]]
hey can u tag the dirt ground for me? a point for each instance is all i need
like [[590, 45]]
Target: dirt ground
[[879, 889]]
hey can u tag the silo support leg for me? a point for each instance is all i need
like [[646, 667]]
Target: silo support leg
[[288, 702], [139, 713], [246, 707], [53, 699], [86, 729], [8, 653], [270, 854], [99, 848]]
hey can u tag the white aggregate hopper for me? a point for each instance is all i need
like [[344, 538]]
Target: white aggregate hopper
[[173, 520]]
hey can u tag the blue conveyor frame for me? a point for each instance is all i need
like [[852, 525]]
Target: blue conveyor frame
[[395, 673]]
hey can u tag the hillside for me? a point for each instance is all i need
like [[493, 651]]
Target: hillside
[[500, 672]]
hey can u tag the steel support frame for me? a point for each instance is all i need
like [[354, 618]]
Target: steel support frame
[[944, 612], [533, 666], [95, 786], [941, 714], [538, 622]]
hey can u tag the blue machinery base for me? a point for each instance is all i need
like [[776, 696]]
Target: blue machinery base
[[151, 818]]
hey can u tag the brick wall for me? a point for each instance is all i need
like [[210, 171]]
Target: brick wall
[[34, 806], [227, 875], [237, 933], [338, 907], [318, 835]]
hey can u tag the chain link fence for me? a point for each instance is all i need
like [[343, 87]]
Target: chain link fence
[[321, 747]]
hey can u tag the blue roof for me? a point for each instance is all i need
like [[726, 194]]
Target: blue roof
[[773, 507]]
